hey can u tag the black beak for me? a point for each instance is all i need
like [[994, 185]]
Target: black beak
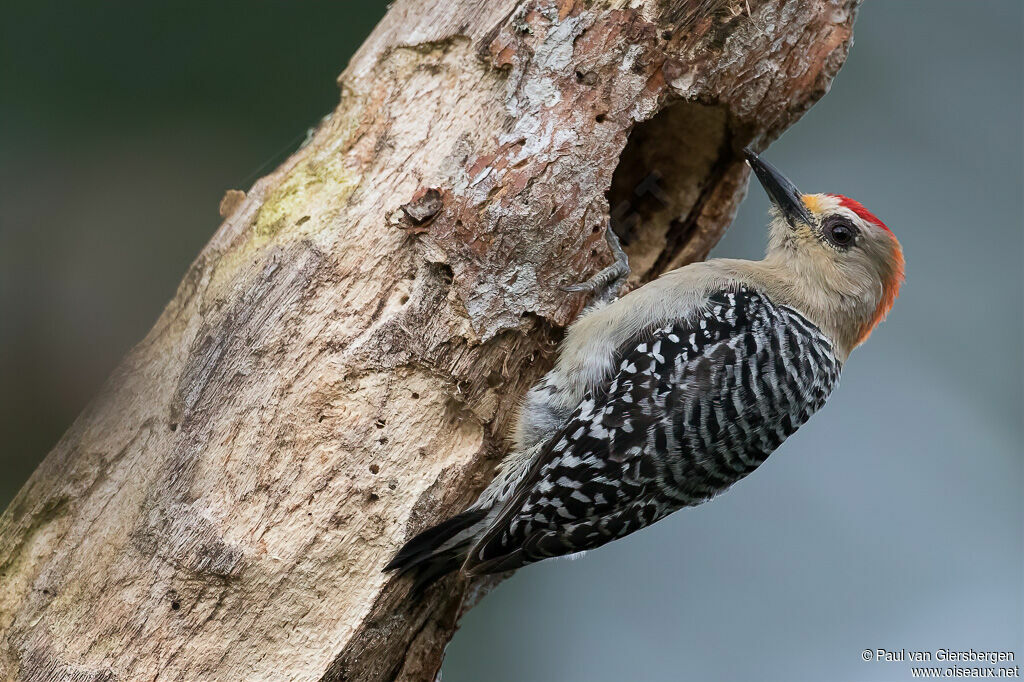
[[781, 191]]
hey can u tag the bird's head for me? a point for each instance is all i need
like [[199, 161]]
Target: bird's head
[[848, 263]]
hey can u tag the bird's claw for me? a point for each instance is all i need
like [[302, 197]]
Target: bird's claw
[[606, 284], [576, 288]]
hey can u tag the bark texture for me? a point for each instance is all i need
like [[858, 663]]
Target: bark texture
[[339, 365]]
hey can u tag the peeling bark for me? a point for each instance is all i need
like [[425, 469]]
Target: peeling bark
[[336, 369]]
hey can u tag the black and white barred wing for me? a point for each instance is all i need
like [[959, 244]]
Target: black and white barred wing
[[691, 410]]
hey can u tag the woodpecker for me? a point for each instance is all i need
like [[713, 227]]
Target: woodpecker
[[665, 397]]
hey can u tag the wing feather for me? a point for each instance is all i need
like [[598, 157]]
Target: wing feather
[[691, 409]]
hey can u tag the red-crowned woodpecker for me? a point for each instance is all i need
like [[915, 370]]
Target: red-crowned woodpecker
[[665, 397]]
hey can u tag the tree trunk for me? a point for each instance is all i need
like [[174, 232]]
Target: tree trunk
[[337, 369]]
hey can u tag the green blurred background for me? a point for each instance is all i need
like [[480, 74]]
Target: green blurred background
[[893, 519]]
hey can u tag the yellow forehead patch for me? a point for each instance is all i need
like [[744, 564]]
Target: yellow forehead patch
[[812, 202]]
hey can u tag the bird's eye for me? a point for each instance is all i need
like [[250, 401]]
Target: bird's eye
[[840, 233]]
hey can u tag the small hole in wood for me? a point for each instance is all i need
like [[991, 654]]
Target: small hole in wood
[[382, 440], [373, 497], [403, 300], [175, 605], [174, 426], [380, 423], [415, 395], [374, 469], [600, 118]]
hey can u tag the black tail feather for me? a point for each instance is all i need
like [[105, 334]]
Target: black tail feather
[[438, 566], [421, 552]]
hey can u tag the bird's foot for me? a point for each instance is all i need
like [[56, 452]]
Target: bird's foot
[[606, 285]]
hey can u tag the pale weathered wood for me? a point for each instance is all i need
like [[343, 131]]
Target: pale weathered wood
[[339, 365]]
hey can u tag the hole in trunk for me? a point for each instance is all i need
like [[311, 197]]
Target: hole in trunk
[[667, 169]]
